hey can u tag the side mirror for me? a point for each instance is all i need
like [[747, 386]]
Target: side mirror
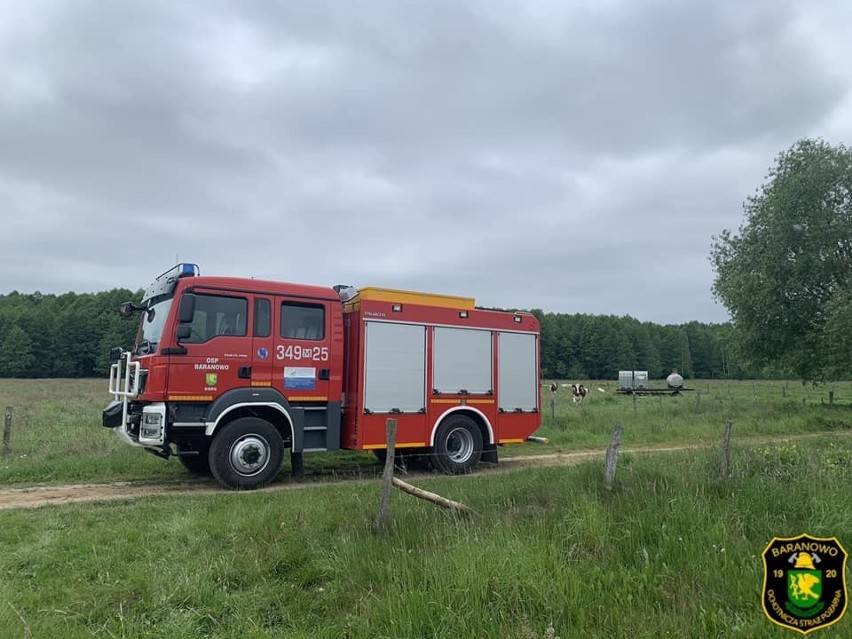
[[127, 309], [187, 309], [184, 331]]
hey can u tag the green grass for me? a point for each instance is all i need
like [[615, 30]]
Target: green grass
[[673, 550], [57, 436], [757, 409]]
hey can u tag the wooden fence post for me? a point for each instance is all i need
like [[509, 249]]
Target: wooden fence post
[[726, 449], [387, 478], [697, 398], [831, 398], [552, 409], [634, 401], [7, 431], [612, 456]]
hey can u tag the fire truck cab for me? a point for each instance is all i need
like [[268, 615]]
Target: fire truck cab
[[228, 373]]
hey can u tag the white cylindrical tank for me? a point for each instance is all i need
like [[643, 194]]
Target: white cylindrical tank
[[674, 380]]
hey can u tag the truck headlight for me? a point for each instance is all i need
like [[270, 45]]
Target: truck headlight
[[152, 424]]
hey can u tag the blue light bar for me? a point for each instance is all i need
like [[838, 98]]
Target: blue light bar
[[189, 270], [166, 282]]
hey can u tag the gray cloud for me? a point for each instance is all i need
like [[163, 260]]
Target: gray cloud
[[572, 157]]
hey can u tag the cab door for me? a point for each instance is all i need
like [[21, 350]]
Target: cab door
[[217, 354], [302, 349]]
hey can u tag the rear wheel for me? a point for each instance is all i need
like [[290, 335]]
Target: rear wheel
[[417, 458], [458, 445], [409, 458], [247, 454]]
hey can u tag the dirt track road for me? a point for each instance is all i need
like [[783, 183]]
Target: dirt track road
[[36, 496]]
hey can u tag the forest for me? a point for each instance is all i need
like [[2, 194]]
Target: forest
[[66, 335], [598, 346], [69, 335]]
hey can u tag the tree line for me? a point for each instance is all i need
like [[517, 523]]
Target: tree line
[[583, 346], [69, 335], [66, 335]]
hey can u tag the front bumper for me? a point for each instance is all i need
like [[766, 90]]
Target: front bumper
[[112, 418], [144, 425]]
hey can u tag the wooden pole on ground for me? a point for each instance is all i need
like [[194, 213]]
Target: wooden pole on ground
[[612, 456], [726, 449], [7, 432], [431, 497], [387, 478]]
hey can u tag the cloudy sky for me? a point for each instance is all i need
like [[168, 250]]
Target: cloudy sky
[[574, 156]]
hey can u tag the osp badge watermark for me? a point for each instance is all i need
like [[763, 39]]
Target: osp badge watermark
[[804, 582]]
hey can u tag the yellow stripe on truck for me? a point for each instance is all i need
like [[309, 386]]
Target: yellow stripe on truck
[[408, 445]]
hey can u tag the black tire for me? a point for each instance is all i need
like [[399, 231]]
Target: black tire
[[196, 464], [417, 458], [406, 458], [458, 445], [246, 454]]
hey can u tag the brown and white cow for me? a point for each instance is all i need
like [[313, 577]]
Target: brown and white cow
[[578, 391]]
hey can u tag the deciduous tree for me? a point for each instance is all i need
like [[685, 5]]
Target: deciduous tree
[[786, 275]]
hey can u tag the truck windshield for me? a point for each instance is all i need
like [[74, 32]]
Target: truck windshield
[[153, 321]]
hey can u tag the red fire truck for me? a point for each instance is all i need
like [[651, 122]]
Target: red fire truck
[[228, 373]]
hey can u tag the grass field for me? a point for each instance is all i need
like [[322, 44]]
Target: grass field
[[672, 551], [756, 409], [57, 437]]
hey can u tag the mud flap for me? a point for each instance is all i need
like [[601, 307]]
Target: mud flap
[[489, 454]]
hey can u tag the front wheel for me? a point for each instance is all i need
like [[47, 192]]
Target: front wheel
[[197, 463], [247, 454], [458, 445]]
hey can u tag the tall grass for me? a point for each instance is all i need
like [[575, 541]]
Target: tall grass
[[673, 550], [762, 408], [57, 435]]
